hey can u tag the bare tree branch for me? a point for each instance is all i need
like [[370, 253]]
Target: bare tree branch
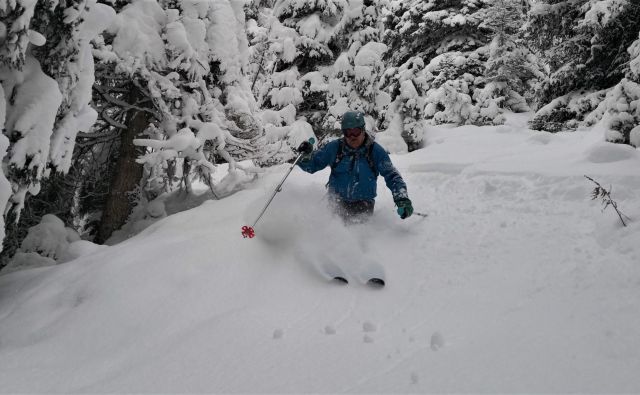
[[104, 92]]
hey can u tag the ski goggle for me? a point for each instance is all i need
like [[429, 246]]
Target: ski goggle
[[352, 132]]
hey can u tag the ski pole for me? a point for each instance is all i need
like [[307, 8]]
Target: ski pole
[[248, 231], [423, 215]]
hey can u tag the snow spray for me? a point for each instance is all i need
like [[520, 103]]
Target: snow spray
[[248, 231]]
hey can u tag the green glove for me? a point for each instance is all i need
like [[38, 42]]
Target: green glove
[[405, 209]]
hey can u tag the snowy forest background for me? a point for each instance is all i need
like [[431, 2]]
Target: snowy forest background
[[107, 105]]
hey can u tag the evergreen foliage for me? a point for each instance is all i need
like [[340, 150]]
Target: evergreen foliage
[[46, 69], [353, 80], [440, 49], [192, 89], [301, 49], [262, 45], [306, 31], [512, 71], [584, 43]]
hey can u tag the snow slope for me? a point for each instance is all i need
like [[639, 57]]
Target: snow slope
[[516, 282]]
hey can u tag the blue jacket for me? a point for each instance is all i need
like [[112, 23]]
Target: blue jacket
[[353, 179]]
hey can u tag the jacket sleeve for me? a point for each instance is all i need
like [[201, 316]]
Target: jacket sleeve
[[320, 159], [392, 177]]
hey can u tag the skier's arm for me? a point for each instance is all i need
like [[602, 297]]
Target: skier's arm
[[392, 177], [319, 159], [395, 183]]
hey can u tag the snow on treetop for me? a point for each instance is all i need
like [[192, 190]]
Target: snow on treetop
[[538, 8], [313, 27], [209, 131], [36, 38], [408, 68], [339, 108], [227, 43], [278, 30], [455, 20], [436, 16], [176, 35], [439, 61], [180, 141], [354, 10], [289, 51], [287, 77], [601, 12], [316, 80], [195, 8], [137, 33], [292, 6], [363, 73], [38, 98], [97, 19], [284, 96], [408, 90], [634, 65], [370, 54], [275, 133], [300, 131], [288, 114], [342, 64]]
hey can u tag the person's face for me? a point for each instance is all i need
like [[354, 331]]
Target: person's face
[[354, 137]]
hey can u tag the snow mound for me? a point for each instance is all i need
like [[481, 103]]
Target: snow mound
[[78, 249], [515, 273], [609, 152], [541, 137]]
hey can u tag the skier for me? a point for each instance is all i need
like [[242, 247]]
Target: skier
[[356, 161]]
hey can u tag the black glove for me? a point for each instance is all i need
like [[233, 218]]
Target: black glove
[[305, 148], [405, 209]]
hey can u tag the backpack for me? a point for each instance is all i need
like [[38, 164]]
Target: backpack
[[368, 155]]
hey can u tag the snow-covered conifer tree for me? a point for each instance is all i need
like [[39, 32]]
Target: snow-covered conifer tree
[[354, 78], [633, 75], [263, 45], [189, 102], [438, 57], [620, 110], [47, 73], [271, 43], [404, 121], [512, 71], [294, 94], [585, 43], [307, 30]]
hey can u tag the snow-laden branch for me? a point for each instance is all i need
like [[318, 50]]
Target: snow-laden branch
[[44, 112]]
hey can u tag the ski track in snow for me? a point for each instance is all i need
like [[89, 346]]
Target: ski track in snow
[[515, 282]]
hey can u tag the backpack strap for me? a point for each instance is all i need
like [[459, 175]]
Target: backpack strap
[[339, 154], [368, 155]]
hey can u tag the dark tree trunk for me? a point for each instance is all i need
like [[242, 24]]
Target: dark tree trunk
[[128, 173]]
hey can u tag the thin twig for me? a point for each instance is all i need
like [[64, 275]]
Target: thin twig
[[600, 192]]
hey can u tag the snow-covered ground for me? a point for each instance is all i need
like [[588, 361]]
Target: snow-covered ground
[[515, 282]]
